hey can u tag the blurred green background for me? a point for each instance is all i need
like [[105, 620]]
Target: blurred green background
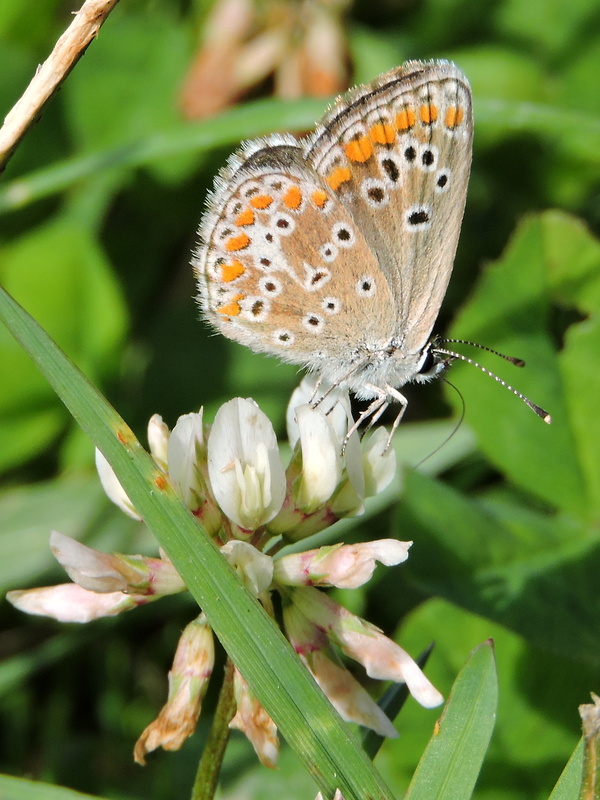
[[99, 209]]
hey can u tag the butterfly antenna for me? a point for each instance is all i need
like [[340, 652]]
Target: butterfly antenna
[[453, 355], [459, 422], [518, 362]]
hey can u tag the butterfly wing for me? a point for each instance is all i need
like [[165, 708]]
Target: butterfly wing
[[284, 268], [397, 154]]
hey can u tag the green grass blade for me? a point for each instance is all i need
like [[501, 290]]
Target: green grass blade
[[453, 758], [281, 683], [569, 784]]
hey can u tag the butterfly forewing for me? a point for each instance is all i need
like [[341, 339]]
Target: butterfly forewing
[[397, 154]]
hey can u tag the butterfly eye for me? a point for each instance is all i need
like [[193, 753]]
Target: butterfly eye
[[428, 362]]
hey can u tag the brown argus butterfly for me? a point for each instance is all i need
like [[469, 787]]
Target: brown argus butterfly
[[335, 251]]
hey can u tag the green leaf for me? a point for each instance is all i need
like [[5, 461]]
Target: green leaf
[[61, 274], [501, 73], [550, 260], [548, 26], [27, 433], [533, 573], [29, 513], [21, 789], [452, 761], [538, 695], [281, 683]]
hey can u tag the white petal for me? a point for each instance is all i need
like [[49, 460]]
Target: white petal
[[254, 567], [379, 464], [354, 464], [336, 407], [112, 487], [68, 602], [301, 395], [188, 681], [252, 719], [321, 459], [347, 696], [182, 456], [383, 659], [90, 568], [387, 551], [158, 439], [245, 469]]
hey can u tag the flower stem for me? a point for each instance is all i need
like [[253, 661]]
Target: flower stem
[[590, 717], [209, 768]]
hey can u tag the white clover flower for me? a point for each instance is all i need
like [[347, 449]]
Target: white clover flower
[[245, 469], [232, 479], [101, 572], [335, 405], [188, 682], [351, 701]]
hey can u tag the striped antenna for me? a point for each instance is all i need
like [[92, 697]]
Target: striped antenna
[[518, 362]]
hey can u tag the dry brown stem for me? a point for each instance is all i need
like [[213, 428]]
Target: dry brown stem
[[50, 75]]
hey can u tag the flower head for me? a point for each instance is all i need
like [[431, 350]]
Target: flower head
[[232, 478]]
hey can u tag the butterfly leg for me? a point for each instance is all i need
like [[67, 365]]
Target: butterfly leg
[[375, 409], [315, 391], [403, 403]]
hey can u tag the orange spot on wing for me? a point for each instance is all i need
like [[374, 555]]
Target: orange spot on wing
[[428, 113], [246, 217], [405, 119], [319, 198], [261, 201], [454, 116], [359, 150], [338, 176], [231, 309], [229, 272], [292, 198], [237, 243], [382, 133]]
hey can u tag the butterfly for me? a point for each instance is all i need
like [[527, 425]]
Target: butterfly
[[335, 251]]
